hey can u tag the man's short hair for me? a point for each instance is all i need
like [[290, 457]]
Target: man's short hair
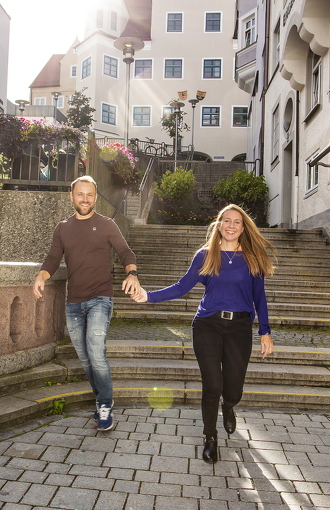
[[84, 178]]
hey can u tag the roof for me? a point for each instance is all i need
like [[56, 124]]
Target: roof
[[49, 76], [139, 24]]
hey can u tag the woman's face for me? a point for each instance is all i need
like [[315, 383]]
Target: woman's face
[[231, 225]]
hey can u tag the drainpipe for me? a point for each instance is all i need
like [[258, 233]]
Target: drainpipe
[[265, 84], [296, 202]]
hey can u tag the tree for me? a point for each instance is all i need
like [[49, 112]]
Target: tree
[[80, 114], [168, 123]]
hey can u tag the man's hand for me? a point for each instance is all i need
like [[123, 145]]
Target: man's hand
[[267, 345], [131, 285], [39, 283], [142, 297]]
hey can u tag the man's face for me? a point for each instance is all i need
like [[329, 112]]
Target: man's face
[[84, 198]]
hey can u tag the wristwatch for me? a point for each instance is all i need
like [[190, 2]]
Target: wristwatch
[[133, 272]]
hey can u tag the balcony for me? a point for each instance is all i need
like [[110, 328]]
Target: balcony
[[245, 65]]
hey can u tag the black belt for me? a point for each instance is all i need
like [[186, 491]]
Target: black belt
[[233, 315]]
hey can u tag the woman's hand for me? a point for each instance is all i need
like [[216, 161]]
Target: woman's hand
[[267, 345], [140, 297]]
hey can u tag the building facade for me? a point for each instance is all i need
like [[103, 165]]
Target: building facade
[[285, 69], [189, 46], [4, 51]]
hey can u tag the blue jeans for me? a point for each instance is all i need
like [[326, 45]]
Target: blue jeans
[[88, 324]]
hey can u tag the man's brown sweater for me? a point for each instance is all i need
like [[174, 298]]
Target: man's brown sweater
[[86, 245]]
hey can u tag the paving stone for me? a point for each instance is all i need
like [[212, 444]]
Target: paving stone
[[179, 421], [75, 499], [160, 489], [25, 450], [298, 458], [271, 456], [33, 477], [14, 506], [315, 474], [85, 458], [13, 492], [254, 496], [128, 486], [169, 465], [226, 469], [239, 483], [182, 479], [29, 437], [207, 504], [195, 492], [164, 503], [126, 426], [146, 428], [178, 450], [189, 431], [296, 499], [224, 494], [55, 454], [127, 461], [54, 467], [257, 470], [199, 467], [158, 438], [288, 472], [54, 439], [149, 447], [166, 413], [135, 436], [214, 481], [82, 432], [60, 480], [98, 444], [262, 484], [264, 445], [126, 446], [136, 419], [72, 421], [320, 500], [308, 448], [99, 472], [89, 482], [34, 465], [140, 502], [307, 439], [7, 473], [39, 495], [139, 412], [246, 506], [155, 420], [121, 474], [111, 500], [307, 487], [325, 487]]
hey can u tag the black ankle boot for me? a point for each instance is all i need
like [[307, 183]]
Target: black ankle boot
[[210, 452], [229, 419]]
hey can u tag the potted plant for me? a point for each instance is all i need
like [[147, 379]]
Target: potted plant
[[121, 164]]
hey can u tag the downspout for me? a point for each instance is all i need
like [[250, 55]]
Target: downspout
[[265, 85], [296, 205]]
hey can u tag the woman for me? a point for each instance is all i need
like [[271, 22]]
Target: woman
[[231, 265]]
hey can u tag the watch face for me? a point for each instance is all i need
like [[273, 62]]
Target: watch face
[[133, 272]]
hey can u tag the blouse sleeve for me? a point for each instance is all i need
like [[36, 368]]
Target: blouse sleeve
[[260, 302], [184, 285]]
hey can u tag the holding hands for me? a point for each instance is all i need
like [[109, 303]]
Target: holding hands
[[140, 297]]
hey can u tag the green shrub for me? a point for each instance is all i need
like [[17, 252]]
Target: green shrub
[[247, 191]]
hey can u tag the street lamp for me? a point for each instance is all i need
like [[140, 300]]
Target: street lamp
[[193, 103], [56, 96], [177, 105], [21, 105], [128, 45]]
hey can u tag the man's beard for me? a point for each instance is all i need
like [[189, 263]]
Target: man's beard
[[83, 212]]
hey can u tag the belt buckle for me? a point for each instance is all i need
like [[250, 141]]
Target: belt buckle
[[227, 315]]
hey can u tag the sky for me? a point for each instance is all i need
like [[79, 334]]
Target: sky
[[39, 29]]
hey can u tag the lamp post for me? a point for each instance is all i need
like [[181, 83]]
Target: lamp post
[[128, 45], [56, 96], [177, 105], [193, 103], [21, 105]]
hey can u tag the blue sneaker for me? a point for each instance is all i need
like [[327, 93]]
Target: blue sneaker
[[96, 414], [105, 417]]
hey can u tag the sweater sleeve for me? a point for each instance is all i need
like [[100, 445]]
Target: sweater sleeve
[[55, 254], [260, 302], [120, 246], [184, 285]]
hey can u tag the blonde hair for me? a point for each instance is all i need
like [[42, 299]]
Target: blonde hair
[[84, 178], [252, 242]]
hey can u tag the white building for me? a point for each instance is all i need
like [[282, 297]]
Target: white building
[[4, 50], [286, 73], [188, 46]]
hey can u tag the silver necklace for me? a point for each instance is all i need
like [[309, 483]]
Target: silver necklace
[[230, 259]]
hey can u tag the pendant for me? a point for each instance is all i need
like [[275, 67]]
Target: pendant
[[230, 262]]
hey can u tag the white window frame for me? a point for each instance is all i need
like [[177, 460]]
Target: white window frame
[[210, 126], [182, 68], [312, 176], [150, 115], [276, 133], [42, 101], [221, 68], [60, 102], [213, 31], [167, 107], [277, 46], [82, 67], [316, 80], [152, 69], [116, 113], [110, 75], [245, 30], [113, 20], [182, 23], [232, 116], [71, 71]]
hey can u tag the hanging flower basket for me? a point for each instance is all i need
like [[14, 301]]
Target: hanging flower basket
[[121, 164]]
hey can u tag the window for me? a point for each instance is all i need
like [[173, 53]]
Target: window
[[167, 110], [86, 67], [39, 101], [173, 68], [60, 102], [143, 68], [211, 116], [141, 116], [108, 114], [212, 68], [277, 44], [250, 31], [99, 18], [276, 120], [110, 66], [240, 114], [316, 76], [73, 71], [312, 177], [113, 20], [213, 22], [174, 22]]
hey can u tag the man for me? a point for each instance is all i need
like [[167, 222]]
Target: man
[[86, 239]]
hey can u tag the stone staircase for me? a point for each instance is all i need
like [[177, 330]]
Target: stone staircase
[[133, 204], [297, 294], [161, 373]]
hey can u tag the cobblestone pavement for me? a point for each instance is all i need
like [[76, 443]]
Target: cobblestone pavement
[[276, 460], [167, 331]]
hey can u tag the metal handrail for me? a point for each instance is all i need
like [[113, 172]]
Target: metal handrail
[[145, 186]]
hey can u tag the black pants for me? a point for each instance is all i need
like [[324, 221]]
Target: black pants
[[223, 349]]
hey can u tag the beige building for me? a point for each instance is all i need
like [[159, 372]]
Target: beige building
[[188, 46], [4, 50], [289, 106]]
